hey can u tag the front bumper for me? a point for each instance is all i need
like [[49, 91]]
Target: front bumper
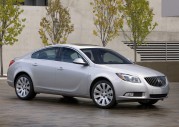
[[139, 91]]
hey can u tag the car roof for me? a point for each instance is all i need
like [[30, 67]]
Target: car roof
[[77, 46]]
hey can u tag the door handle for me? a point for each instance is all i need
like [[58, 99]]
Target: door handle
[[60, 68], [35, 64]]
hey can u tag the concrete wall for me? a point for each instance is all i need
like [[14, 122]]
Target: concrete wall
[[82, 18], [29, 40], [170, 69]]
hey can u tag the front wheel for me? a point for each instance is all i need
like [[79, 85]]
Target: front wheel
[[24, 88], [103, 94], [148, 102]]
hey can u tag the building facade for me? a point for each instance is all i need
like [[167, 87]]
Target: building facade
[[162, 44]]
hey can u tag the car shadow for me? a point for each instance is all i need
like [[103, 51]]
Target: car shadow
[[71, 100], [83, 103], [135, 106]]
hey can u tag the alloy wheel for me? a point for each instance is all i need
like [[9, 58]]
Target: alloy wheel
[[103, 94], [24, 88]]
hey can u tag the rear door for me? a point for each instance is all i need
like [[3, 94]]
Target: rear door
[[43, 68]]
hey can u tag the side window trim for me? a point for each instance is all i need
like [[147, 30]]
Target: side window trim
[[58, 56]]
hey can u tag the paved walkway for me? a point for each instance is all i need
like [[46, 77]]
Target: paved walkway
[[54, 111]]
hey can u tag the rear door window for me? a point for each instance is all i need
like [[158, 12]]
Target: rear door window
[[46, 54]]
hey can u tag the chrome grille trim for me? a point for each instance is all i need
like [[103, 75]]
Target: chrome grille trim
[[156, 81]]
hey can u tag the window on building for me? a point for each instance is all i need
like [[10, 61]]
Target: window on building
[[170, 8], [36, 2]]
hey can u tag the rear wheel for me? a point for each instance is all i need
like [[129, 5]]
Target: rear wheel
[[148, 102], [103, 94], [24, 88]]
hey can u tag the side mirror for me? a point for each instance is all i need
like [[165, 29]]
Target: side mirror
[[80, 61]]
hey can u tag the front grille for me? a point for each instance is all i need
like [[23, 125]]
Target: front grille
[[156, 81], [158, 95]]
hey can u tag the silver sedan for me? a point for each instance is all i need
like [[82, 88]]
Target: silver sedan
[[93, 72]]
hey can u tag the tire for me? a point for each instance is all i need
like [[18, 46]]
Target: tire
[[24, 88], [148, 102], [103, 94]]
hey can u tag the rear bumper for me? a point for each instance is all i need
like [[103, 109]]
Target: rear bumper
[[11, 83]]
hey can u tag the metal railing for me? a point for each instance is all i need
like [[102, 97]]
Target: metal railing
[[157, 50]]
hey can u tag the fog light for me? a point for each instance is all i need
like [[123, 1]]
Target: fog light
[[129, 94]]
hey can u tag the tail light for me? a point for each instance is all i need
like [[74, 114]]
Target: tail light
[[12, 61]]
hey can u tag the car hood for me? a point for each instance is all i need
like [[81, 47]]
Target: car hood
[[132, 69]]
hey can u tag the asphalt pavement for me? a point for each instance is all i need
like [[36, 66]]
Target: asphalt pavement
[[55, 111]]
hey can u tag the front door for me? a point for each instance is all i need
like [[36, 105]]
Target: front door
[[71, 78]]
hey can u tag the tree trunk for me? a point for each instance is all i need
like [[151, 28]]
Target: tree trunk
[[1, 61], [104, 43], [135, 51]]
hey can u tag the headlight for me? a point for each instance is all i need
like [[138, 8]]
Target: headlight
[[128, 78]]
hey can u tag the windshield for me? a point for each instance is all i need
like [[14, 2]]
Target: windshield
[[105, 56]]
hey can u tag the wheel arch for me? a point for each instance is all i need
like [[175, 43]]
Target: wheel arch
[[95, 81], [21, 73]]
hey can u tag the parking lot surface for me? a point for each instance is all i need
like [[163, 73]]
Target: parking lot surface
[[55, 111]]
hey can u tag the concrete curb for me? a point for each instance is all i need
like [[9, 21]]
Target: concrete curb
[[3, 78]]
